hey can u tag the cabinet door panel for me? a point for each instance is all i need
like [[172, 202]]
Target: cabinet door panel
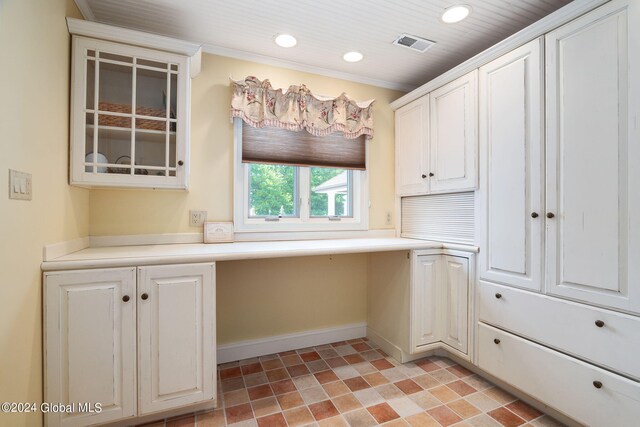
[[424, 300], [456, 291], [593, 157], [90, 349], [453, 142], [511, 169], [176, 335], [412, 139]]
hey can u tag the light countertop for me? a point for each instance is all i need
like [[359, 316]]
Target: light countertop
[[123, 256]]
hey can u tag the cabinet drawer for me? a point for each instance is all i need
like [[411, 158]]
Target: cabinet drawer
[[560, 381], [565, 325]]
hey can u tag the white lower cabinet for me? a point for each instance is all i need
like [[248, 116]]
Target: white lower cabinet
[[440, 301], [455, 302], [602, 337], [91, 321], [585, 393], [424, 300]]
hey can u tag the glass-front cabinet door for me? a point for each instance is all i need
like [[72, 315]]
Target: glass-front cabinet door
[[130, 116]]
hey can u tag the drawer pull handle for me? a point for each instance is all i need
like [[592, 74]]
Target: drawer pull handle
[[431, 174], [125, 298], [534, 214], [498, 295], [424, 176], [597, 384], [599, 323], [144, 296], [496, 340], [550, 215]]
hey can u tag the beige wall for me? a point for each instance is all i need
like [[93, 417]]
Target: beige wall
[[263, 297], [259, 298], [211, 185], [34, 83]]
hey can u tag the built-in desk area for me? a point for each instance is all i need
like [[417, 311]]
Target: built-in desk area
[[149, 314]]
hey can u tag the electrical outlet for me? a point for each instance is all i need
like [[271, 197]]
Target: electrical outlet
[[388, 218], [197, 218]]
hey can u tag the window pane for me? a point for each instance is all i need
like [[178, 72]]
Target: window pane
[[273, 190], [331, 192]]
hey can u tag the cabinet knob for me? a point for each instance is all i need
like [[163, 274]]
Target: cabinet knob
[[424, 176], [597, 384], [180, 163], [550, 215], [599, 323], [144, 296], [534, 215], [498, 295], [431, 174], [125, 298], [496, 340]]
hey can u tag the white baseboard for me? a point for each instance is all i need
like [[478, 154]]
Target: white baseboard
[[276, 344], [56, 250], [396, 352], [436, 349]]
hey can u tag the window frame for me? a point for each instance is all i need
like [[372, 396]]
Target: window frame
[[304, 222]]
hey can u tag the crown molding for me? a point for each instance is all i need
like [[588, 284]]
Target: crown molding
[[297, 66], [85, 10], [533, 31], [96, 30]]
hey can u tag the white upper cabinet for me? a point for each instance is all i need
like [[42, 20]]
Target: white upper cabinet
[[129, 107], [510, 220], [593, 157], [453, 141], [412, 148], [436, 140]]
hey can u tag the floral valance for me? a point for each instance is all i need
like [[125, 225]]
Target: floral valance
[[258, 104]]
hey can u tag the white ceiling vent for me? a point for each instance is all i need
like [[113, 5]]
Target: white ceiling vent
[[414, 43]]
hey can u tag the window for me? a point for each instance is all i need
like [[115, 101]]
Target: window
[[274, 193]]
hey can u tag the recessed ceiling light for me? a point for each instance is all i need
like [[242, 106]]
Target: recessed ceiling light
[[353, 56], [286, 40], [455, 14]]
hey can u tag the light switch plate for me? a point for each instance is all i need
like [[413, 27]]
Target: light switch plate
[[19, 185]]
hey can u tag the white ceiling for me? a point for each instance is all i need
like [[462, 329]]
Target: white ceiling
[[326, 29]]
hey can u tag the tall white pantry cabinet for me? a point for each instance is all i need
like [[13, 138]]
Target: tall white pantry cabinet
[[136, 340], [557, 300], [559, 214]]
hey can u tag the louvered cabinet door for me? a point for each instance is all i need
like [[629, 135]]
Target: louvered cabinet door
[[90, 344], [593, 157], [176, 335], [510, 217]]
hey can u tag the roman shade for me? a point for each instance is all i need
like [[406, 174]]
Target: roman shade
[[284, 147]]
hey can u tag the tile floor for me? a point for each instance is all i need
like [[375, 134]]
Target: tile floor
[[353, 383]]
